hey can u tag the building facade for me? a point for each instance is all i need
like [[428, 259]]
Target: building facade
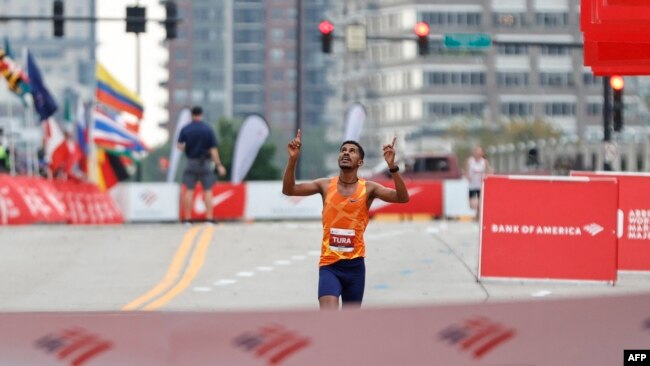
[[530, 72]]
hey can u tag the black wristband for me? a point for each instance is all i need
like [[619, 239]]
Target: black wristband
[[394, 170]]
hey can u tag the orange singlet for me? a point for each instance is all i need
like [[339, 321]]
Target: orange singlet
[[344, 222]]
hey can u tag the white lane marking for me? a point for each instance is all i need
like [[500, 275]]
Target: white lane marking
[[282, 262], [245, 274], [541, 293], [264, 269], [224, 282], [314, 253], [433, 230], [202, 289], [298, 257]]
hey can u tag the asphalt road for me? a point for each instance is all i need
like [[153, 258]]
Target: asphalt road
[[251, 266]]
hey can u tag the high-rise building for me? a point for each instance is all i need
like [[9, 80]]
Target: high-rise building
[[239, 57], [529, 72]]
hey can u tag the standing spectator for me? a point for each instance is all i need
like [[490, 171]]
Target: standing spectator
[[200, 145], [476, 168], [4, 159]]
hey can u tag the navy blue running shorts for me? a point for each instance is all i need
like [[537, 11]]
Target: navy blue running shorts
[[345, 278]]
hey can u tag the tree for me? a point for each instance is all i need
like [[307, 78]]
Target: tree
[[262, 168], [513, 131]]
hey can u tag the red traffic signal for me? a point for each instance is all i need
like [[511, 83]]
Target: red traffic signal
[[617, 82], [421, 29], [326, 27]]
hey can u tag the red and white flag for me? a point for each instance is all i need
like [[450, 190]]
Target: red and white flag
[[56, 149]]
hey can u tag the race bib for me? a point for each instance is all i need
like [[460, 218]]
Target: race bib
[[342, 240]]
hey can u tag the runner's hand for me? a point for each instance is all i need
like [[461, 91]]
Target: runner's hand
[[294, 145], [221, 170], [389, 153]]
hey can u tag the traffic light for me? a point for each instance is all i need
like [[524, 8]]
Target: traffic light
[[170, 20], [617, 83], [326, 29], [136, 19], [57, 14], [421, 29]]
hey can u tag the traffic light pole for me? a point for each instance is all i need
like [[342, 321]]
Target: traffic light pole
[[607, 117], [298, 78]]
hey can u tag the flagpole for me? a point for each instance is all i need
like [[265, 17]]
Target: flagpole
[[12, 147]]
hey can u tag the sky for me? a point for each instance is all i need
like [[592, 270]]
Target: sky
[[117, 52]]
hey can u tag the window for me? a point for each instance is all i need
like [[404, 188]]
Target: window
[[512, 49], [507, 20], [560, 109], [509, 79], [469, 78], [440, 109], [516, 109], [555, 50], [552, 20], [589, 79], [437, 18], [556, 79], [594, 109]]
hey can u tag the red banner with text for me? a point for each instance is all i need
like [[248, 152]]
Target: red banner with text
[[634, 208], [549, 228]]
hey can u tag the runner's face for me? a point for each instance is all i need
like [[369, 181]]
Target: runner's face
[[349, 157]]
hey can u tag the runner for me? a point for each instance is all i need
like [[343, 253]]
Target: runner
[[346, 203]]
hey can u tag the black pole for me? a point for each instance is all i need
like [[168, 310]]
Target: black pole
[[298, 77], [607, 117]]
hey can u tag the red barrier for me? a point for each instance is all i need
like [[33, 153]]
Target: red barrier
[[540, 227], [29, 200], [634, 206], [228, 201], [426, 198]]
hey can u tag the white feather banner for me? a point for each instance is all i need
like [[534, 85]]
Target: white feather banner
[[250, 139], [184, 117], [354, 120]]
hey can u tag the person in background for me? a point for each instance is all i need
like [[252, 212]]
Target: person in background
[[201, 148], [346, 204], [476, 168], [4, 159]]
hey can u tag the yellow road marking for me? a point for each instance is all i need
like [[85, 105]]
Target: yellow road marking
[[172, 272], [198, 258]]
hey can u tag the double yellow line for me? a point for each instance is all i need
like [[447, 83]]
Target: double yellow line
[[173, 283]]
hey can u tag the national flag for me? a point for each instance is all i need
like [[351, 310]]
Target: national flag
[[43, 101], [112, 93], [56, 148], [17, 79], [111, 170], [111, 135], [80, 129]]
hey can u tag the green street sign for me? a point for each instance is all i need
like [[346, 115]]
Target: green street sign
[[467, 40]]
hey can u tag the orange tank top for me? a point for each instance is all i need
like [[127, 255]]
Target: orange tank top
[[344, 223]]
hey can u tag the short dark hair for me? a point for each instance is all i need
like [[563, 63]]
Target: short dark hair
[[361, 152], [197, 111]]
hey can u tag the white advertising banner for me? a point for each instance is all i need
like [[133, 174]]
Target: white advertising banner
[[148, 202], [592, 331], [455, 193], [264, 200]]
